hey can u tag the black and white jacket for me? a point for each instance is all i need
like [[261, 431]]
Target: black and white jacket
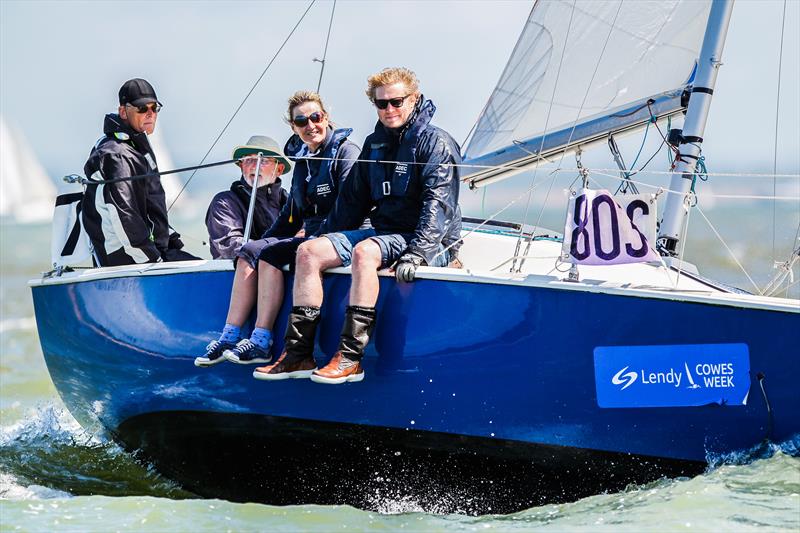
[[127, 220]]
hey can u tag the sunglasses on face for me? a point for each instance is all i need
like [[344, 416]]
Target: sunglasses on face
[[142, 109], [253, 159], [396, 102], [301, 121]]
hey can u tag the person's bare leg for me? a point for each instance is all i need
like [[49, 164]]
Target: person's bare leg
[[359, 318], [270, 295], [313, 257], [366, 262], [243, 293]]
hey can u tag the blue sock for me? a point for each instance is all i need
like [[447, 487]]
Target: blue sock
[[261, 337], [231, 333]]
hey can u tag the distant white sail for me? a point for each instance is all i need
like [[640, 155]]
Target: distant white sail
[[171, 182], [27, 193], [598, 63]]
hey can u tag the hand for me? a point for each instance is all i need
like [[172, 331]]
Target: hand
[[406, 268], [175, 242]]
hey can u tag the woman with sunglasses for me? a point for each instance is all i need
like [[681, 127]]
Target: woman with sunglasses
[[323, 159]]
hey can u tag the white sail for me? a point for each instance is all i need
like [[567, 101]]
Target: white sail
[[27, 194], [582, 69], [171, 182]]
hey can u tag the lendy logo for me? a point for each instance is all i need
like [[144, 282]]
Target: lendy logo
[[626, 379]]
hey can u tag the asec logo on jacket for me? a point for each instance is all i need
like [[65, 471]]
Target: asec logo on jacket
[[681, 375]]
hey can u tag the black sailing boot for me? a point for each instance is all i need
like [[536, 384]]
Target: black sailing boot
[[297, 359], [359, 322]]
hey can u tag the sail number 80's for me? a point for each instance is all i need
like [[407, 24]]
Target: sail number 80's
[[601, 229]]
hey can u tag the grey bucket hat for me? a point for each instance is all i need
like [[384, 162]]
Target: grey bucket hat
[[267, 146]]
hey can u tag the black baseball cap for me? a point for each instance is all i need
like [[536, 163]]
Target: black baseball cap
[[137, 92]]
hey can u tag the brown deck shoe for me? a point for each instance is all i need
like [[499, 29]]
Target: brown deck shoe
[[339, 370], [287, 367]]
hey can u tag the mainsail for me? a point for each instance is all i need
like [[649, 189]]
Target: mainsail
[[583, 69]]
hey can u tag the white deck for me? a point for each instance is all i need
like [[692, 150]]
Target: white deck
[[486, 257]]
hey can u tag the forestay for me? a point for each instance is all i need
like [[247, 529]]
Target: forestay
[[582, 69]]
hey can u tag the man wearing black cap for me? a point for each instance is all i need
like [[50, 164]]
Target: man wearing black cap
[[127, 220]]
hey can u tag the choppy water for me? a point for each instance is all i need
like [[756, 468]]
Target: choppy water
[[55, 475]]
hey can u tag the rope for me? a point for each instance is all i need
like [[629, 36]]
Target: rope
[[325, 53], [777, 115], [243, 102]]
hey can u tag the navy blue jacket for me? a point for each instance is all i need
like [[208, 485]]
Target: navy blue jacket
[[227, 216], [418, 195], [316, 181]]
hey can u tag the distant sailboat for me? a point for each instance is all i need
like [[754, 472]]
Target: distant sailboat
[[172, 182], [26, 191]]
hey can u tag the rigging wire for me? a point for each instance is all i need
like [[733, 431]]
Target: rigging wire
[[596, 171], [777, 115], [710, 225], [253, 88], [325, 53], [577, 116], [541, 146]]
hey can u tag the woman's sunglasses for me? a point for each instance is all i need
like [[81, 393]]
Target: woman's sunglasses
[[301, 121], [396, 102], [142, 109]]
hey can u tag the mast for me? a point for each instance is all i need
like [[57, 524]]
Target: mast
[[674, 220]]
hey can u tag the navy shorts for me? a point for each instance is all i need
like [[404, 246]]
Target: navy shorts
[[282, 252], [392, 246], [252, 250]]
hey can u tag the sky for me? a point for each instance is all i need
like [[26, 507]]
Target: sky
[[61, 65]]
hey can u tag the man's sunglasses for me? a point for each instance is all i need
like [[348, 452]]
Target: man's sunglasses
[[396, 102], [142, 109], [301, 121]]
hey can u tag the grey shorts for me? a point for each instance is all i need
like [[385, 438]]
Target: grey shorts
[[392, 246]]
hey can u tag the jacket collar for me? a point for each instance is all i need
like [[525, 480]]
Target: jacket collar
[[418, 121], [115, 128]]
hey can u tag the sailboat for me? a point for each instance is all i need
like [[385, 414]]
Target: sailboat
[[549, 369], [26, 191]]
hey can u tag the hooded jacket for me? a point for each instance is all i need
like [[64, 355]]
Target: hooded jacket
[[227, 216], [408, 183], [316, 181], [126, 221]]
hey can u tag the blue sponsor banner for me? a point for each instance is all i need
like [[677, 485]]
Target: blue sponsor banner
[[682, 375]]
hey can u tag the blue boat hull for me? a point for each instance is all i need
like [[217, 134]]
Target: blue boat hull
[[485, 388]]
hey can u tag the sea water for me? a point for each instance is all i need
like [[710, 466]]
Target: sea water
[[55, 475]]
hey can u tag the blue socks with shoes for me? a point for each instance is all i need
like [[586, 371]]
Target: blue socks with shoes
[[261, 337], [231, 334]]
